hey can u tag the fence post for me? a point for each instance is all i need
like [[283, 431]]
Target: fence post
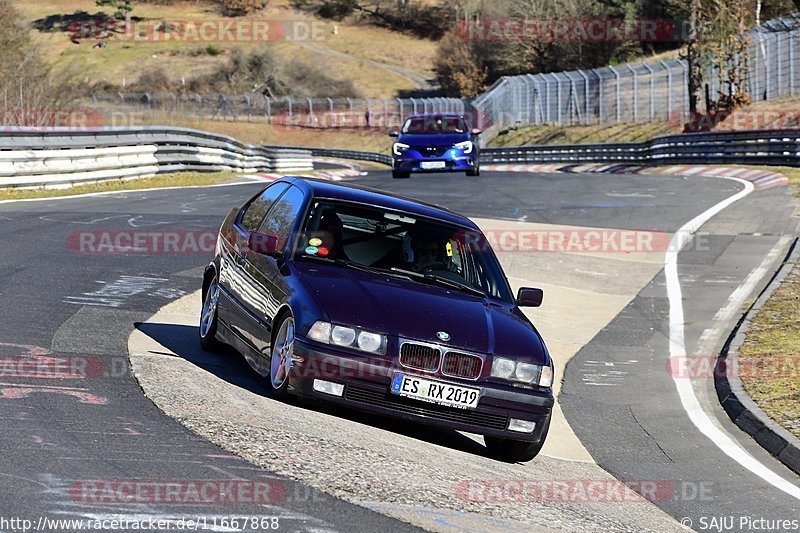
[[635, 92], [600, 95], [778, 62], [652, 90], [616, 79], [585, 96], [269, 110], [791, 63], [669, 89], [400, 106]]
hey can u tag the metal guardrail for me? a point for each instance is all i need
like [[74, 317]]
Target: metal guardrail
[[35, 157], [763, 147]]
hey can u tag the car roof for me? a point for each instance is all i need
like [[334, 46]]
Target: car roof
[[437, 115], [369, 196]]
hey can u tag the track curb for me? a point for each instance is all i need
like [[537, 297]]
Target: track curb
[[741, 409]]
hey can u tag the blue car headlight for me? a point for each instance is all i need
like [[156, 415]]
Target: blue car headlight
[[465, 146], [399, 148], [349, 337], [522, 372]]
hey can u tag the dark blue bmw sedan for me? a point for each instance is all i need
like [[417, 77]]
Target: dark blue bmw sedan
[[435, 143], [383, 304]]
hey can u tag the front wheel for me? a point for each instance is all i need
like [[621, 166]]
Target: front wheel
[[474, 171], [208, 318], [515, 451], [281, 358], [400, 174]]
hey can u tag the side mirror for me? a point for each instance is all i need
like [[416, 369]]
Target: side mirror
[[477, 131], [529, 297], [394, 133], [263, 243]]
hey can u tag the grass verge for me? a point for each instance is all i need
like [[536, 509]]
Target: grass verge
[[181, 179], [772, 350]]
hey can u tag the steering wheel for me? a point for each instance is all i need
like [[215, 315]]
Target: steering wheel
[[436, 265]]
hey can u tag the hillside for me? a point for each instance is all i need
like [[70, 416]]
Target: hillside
[[380, 62]]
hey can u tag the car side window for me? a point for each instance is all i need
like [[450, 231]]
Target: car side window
[[282, 216], [258, 208]]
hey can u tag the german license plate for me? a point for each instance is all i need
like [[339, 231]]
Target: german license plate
[[435, 391], [428, 165]]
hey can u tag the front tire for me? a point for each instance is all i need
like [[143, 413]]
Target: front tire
[[209, 321], [515, 451], [281, 357], [475, 171], [400, 174]]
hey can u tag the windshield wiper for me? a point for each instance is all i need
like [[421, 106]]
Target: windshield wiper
[[430, 278], [350, 264]]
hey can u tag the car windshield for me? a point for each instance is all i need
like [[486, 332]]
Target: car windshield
[[435, 124], [403, 245]]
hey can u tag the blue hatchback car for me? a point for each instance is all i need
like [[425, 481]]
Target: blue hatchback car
[[435, 143]]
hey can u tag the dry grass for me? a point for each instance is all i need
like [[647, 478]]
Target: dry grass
[[181, 179], [779, 113], [770, 355], [128, 60], [254, 133]]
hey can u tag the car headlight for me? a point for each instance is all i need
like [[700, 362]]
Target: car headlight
[[399, 148], [465, 146], [522, 372], [347, 336]]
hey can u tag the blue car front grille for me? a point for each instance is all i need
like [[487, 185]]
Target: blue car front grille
[[433, 151]]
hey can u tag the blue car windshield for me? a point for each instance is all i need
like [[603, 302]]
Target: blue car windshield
[[435, 124], [421, 249]]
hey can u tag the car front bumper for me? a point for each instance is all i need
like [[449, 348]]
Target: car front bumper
[[366, 381], [453, 160]]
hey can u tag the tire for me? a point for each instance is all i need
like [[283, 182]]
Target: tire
[[476, 171], [400, 174], [515, 451], [280, 360], [209, 321]]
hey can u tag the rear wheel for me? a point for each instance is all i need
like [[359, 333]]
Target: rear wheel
[[281, 358], [400, 174], [515, 451], [208, 318]]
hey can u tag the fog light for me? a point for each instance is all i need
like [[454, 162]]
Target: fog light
[[329, 387], [515, 424]]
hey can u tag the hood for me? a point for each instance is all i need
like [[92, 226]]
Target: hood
[[412, 310], [433, 139]]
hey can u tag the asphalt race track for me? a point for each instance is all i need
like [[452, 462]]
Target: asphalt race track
[[78, 424]]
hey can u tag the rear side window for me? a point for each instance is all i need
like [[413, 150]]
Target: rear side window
[[258, 208], [282, 216]]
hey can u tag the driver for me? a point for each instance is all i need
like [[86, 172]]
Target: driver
[[427, 251]]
